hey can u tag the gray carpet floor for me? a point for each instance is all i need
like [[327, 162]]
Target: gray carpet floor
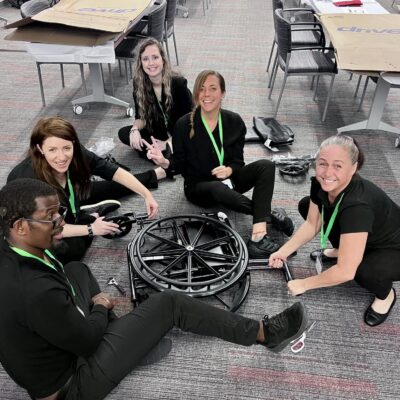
[[343, 358]]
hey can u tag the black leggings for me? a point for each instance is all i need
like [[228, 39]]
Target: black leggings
[[75, 248], [105, 190], [259, 175], [124, 136], [378, 269], [129, 338]]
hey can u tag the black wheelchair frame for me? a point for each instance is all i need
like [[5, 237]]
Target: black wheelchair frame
[[200, 255]]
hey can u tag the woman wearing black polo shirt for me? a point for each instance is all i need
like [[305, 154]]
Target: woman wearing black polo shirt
[[56, 156], [208, 152], [361, 222]]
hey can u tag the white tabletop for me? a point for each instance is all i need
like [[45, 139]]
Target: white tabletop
[[61, 53], [327, 7]]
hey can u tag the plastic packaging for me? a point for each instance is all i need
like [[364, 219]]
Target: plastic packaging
[[102, 146]]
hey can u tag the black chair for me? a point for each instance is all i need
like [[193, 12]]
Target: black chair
[[155, 28], [33, 7], [301, 19], [169, 29], [299, 61]]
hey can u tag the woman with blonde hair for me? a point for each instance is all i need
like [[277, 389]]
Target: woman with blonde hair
[[361, 222]]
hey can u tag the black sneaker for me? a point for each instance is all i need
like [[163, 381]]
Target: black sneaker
[[283, 328], [102, 208], [262, 249], [281, 221]]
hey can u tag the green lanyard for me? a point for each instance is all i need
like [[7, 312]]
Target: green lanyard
[[24, 253], [324, 236], [164, 116], [220, 153], [71, 195]]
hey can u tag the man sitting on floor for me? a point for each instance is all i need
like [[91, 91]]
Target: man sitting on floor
[[59, 338]]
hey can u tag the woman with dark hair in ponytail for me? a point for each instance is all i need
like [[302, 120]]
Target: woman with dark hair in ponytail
[[361, 222], [208, 152], [56, 156]]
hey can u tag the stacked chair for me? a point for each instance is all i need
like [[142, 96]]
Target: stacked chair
[[169, 29], [301, 60]]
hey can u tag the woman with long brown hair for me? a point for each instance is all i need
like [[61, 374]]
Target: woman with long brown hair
[[57, 157], [161, 97], [208, 152]]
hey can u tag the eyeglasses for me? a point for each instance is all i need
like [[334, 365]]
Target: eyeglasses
[[56, 222], [298, 344]]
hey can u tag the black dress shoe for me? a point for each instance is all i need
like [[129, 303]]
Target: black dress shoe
[[314, 254], [373, 318]]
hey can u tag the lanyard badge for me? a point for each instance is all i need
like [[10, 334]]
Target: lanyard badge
[[220, 151], [325, 234], [71, 198]]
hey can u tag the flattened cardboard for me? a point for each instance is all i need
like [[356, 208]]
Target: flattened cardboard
[[365, 42], [110, 16], [76, 22], [38, 32]]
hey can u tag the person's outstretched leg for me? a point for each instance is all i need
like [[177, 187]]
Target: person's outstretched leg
[[128, 339]]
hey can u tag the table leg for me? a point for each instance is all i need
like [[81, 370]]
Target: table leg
[[98, 94], [376, 112]]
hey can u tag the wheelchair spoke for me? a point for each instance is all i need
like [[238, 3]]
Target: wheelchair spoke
[[215, 242], [165, 240], [179, 233]]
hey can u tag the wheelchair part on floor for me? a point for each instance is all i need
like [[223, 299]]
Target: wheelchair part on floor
[[271, 133], [199, 255], [125, 222]]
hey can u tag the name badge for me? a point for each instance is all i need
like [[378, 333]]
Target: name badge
[[228, 183], [318, 263]]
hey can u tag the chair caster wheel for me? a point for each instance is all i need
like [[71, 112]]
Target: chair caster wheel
[[78, 109], [397, 142], [129, 112]]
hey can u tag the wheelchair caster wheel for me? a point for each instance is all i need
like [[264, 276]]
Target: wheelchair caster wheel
[[129, 112], [397, 142], [78, 110]]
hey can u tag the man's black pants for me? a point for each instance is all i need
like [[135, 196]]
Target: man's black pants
[[129, 338]]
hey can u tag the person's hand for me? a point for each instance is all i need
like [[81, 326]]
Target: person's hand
[[154, 153], [162, 144], [151, 206], [277, 259], [104, 299], [101, 227], [135, 140], [222, 172], [296, 287]]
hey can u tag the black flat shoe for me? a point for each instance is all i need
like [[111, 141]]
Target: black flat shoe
[[372, 318], [314, 254]]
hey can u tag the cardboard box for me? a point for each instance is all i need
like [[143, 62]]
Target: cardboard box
[[79, 22], [365, 42]]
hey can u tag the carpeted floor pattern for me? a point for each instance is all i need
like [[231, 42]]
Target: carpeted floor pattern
[[343, 358]]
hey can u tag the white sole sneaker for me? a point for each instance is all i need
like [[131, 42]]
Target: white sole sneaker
[[101, 203]]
